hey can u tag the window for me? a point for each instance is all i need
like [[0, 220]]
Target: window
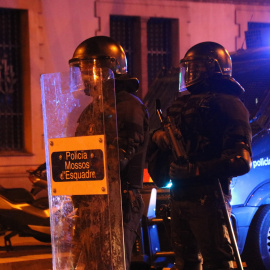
[[11, 81], [257, 35], [148, 43], [159, 46], [122, 29]]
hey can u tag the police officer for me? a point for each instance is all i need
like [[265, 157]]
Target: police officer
[[133, 129], [217, 136]]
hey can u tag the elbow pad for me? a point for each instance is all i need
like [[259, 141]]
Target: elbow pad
[[241, 163]]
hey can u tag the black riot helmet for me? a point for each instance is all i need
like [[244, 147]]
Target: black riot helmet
[[103, 50], [204, 61]]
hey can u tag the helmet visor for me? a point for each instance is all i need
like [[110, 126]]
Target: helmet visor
[[118, 66], [85, 74], [191, 72]]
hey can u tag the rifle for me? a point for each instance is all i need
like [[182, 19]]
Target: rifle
[[180, 157], [174, 135]]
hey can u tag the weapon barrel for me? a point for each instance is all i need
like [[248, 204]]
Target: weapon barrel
[[230, 229]]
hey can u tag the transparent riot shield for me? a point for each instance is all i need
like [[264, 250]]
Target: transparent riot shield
[[83, 168]]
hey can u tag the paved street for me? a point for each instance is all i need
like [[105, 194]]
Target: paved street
[[27, 253]]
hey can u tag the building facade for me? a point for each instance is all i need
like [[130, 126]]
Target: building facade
[[40, 36]]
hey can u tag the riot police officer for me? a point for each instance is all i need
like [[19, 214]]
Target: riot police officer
[[133, 129], [217, 136]]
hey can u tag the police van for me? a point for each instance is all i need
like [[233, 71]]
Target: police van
[[251, 192]]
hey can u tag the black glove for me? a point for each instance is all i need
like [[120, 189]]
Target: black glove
[[183, 171], [161, 140], [126, 156]]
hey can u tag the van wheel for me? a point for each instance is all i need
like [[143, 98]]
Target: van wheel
[[257, 248]]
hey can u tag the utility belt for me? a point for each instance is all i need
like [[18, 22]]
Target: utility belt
[[128, 187], [133, 190]]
